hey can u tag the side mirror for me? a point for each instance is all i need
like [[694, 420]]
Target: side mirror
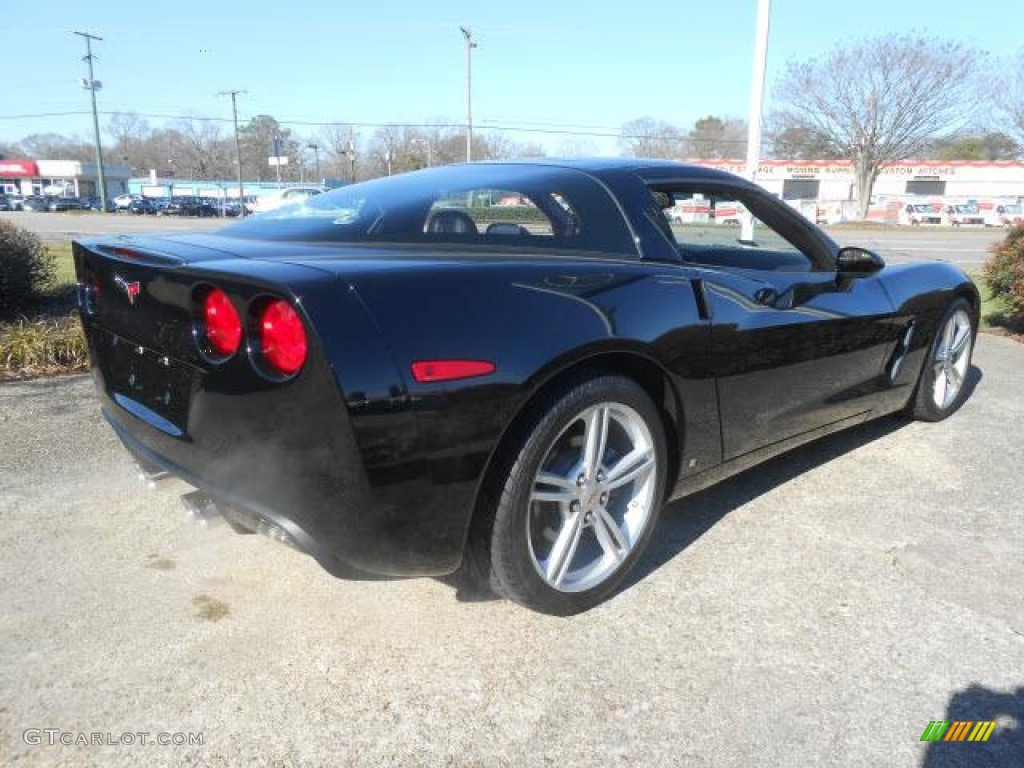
[[854, 261]]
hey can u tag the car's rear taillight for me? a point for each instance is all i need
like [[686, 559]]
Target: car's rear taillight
[[222, 325], [282, 337]]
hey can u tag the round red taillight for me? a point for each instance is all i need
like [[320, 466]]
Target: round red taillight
[[282, 337], [223, 326]]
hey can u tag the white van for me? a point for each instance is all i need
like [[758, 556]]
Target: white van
[[916, 214], [1005, 215]]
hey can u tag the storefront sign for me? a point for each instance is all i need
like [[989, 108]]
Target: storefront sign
[[12, 168]]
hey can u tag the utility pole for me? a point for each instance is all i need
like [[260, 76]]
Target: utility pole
[[92, 85], [470, 45], [316, 159], [277, 158], [764, 10], [238, 148], [352, 154]]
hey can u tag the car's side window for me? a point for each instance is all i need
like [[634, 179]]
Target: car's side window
[[502, 214], [707, 227]]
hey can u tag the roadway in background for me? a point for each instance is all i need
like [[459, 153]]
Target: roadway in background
[[967, 248]]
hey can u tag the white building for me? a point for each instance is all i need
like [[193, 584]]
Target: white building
[[60, 177], [831, 182]]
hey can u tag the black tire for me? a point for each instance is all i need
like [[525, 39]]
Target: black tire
[[500, 551], [924, 404]]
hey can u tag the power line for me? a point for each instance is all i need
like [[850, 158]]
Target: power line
[[512, 127]]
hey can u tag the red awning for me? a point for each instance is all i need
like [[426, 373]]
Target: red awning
[[10, 168]]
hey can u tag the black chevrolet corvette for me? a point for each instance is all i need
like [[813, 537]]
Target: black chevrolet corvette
[[504, 369]]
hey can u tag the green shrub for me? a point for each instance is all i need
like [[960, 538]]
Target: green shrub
[[1004, 272], [27, 269]]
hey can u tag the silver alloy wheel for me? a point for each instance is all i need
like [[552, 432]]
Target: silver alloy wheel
[[952, 356], [592, 497]]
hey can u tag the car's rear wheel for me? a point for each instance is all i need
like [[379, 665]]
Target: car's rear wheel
[[576, 498], [942, 388]]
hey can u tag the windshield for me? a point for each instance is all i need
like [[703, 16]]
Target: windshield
[[486, 204]]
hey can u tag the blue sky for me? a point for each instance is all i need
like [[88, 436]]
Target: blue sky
[[573, 66]]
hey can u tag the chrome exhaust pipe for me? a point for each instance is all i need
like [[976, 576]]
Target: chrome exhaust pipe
[[150, 476], [200, 507]]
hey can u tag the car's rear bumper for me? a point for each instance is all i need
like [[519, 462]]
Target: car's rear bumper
[[290, 459]]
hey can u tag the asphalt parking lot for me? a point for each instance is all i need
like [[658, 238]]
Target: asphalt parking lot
[[820, 610]]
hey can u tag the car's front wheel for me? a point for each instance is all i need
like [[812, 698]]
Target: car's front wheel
[[577, 497], [942, 387]]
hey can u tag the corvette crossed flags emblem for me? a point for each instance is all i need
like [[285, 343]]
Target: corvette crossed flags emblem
[[131, 290]]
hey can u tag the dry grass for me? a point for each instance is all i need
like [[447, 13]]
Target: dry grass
[[41, 347]]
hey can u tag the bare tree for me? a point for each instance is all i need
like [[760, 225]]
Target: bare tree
[[10, 149], [200, 144], [1010, 96], [881, 101], [983, 146], [129, 131], [55, 146], [717, 138], [577, 148], [787, 140], [497, 146], [647, 137], [340, 144]]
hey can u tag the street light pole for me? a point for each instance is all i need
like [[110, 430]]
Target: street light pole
[[764, 10], [351, 155], [277, 158], [92, 85], [316, 159], [238, 148], [470, 45]]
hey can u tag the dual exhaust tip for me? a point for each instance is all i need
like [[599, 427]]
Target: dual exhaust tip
[[201, 508]]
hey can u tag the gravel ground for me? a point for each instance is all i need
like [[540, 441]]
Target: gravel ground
[[819, 610]]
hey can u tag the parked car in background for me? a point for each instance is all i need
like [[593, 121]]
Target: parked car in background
[[231, 208], [187, 206], [284, 197], [963, 215], [95, 204], [5, 203], [16, 202], [142, 205], [57, 204], [1011, 215], [35, 203], [124, 202], [916, 214]]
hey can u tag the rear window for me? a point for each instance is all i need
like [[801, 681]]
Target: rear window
[[504, 205]]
